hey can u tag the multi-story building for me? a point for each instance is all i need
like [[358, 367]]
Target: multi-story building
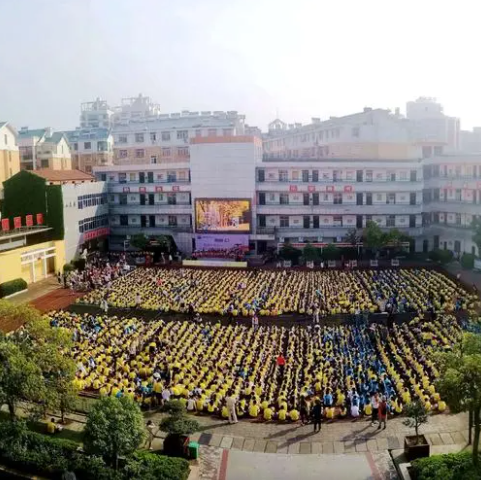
[[91, 147], [73, 204], [9, 155], [43, 148], [96, 114]]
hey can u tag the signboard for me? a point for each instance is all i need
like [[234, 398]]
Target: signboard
[[310, 264], [5, 225], [287, 264], [292, 188], [220, 242], [348, 188], [159, 189], [142, 189], [213, 263], [222, 215], [311, 188], [395, 262], [39, 218], [99, 232], [374, 263], [329, 189], [17, 222], [331, 263], [176, 189], [29, 220], [126, 189]]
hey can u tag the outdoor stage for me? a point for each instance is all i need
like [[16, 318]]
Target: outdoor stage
[[214, 262]]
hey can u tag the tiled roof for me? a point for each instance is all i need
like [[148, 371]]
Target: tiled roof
[[87, 134], [40, 132], [63, 175], [2, 124], [55, 138]]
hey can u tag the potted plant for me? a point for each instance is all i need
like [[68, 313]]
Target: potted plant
[[416, 446], [178, 427]]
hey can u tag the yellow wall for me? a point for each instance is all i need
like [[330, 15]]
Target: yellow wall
[[11, 267], [9, 165]]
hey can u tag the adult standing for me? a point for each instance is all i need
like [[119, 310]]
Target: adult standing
[[375, 408], [317, 415], [231, 403], [255, 322], [382, 412], [150, 433], [281, 363]]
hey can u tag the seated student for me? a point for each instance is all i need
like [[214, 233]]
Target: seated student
[[268, 413], [254, 409], [441, 406], [330, 412], [53, 427], [282, 414], [294, 415]]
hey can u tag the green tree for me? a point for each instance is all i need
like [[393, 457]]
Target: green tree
[[477, 234], [310, 253], [20, 377], [331, 252], [115, 427], [373, 236], [351, 237], [288, 252], [139, 241], [416, 415], [459, 382]]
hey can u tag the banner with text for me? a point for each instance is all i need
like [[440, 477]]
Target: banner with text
[[221, 242]]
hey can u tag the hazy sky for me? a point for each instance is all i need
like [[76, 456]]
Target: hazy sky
[[301, 58]]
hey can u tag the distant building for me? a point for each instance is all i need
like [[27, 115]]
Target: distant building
[[96, 114], [43, 148], [9, 154]]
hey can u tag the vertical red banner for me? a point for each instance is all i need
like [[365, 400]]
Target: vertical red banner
[[5, 225], [17, 222], [39, 218], [29, 220]]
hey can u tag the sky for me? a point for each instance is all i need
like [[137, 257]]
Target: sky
[[294, 59]]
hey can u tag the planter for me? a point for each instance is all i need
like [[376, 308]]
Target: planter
[[413, 450]]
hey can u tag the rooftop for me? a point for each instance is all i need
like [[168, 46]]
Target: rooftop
[[87, 134], [63, 175], [25, 133], [55, 137]]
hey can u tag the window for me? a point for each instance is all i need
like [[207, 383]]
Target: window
[[122, 138], [6, 139], [87, 145], [438, 150], [165, 136], [295, 175], [391, 198], [325, 176], [171, 177], [75, 146], [306, 221], [153, 159], [124, 220], [139, 153], [166, 152], [153, 136], [182, 134], [123, 153], [368, 175], [315, 175], [261, 175], [139, 137], [150, 177], [326, 197], [283, 176], [337, 220], [198, 133], [403, 175], [103, 177], [391, 221], [183, 151], [212, 132], [305, 175], [172, 221], [355, 132], [132, 177], [284, 199], [349, 175], [122, 178], [171, 199], [458, 219], [337, 198], [284, 221], [272, 197], [44, 163], [379, 197]]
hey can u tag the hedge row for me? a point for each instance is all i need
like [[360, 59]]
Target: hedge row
[[13, 286], [453, 466], [37, 454]]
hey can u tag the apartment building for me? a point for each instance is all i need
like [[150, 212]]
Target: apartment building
[[96, 114], [9, 155], [43, 148], [91, 147]]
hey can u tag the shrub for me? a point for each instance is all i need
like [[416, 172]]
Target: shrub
[[79, 264], [13, 286], [68, 267], [467, 261], [453, 466], [148, 466], [442, 256]]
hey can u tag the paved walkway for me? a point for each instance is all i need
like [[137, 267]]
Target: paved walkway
[[36, 290]]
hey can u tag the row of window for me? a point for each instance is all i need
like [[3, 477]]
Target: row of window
[[434, 218], [102, 146], [93, 223], [165, 152], [434, 195], [150, 221], [91, 200], [316, 221], [313, 137], [179, 135], [337, 198], [149, 199], [336, 176], [146, 177], [445, 171]]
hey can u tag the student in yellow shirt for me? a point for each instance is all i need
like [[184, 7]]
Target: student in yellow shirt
[[254, 409], [268, 413]]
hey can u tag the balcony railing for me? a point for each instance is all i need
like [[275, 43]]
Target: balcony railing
[[338, 180], [155, 182], [130, 229], [157, 208]]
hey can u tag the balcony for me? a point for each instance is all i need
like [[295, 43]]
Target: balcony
[[158, 208], [155, 182], [453, 206], [157, 230], [320, 187], [339, 209]]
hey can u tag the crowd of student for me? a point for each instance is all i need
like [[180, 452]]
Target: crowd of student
[[269, 372], [272, 293], [235, 253]]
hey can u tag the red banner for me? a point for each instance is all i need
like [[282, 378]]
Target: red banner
[[329, 189], [292, 188], [142, 189], [159, 189], [39, 218], [348, 188], [5, 225], [99, 232], [17, 222], [311, 188], [29, 220], [175, 189]]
